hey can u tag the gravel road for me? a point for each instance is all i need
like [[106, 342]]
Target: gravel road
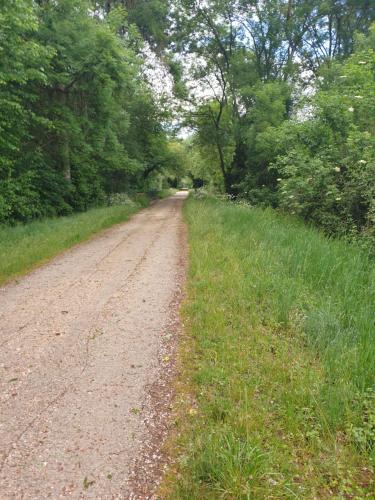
[[84, 339]]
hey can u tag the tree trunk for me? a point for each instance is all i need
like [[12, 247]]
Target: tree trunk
[[65, 156], [64, 138], [226, 175]]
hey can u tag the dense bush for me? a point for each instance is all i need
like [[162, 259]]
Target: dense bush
[[73, 100], [285, 105], [326, 164]]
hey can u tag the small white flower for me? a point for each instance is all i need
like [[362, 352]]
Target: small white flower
[[363, 162], [337, 169], [338, 198], [278, 180], [358, 96], [351, 109], [362, 62]]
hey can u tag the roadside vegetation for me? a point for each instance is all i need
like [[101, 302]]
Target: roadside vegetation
[[275, 101], [79, 118], [287, 116], [275, 97], [275, 397], [26, 246]]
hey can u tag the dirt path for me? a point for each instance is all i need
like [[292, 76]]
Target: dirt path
[[83, 339]]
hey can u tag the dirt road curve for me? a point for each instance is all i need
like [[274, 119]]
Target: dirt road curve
[[83, 340]]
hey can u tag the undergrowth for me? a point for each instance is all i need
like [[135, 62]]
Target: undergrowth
[[25, 246], [276, 393]]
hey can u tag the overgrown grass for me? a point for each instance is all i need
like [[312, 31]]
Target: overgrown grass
[[25, 246], [275, 397]]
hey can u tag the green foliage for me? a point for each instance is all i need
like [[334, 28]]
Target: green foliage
[[192, 166], [267, 110], [150, 16], [362, 432], [28, 245], [327, 167], [214, 125], [73, 100], [275, 398], [286, 91], [23, 62]]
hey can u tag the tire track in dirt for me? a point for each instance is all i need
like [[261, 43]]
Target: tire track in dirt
[[74, 379], [69, 287], [88, 338]]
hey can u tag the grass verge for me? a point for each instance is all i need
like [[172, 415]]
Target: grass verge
[[26, 246], [275, 397]]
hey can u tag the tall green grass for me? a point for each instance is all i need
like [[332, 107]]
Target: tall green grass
[[276, 396], [25, 246]]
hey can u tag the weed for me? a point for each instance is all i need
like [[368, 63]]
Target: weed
[[27, 245], [278, 359]]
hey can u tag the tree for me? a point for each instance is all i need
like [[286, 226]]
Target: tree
[[150, 17], [326, 164], [73, 97], [23, 64], [247, 58]]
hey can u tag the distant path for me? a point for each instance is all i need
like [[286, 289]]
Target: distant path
[[82, 340]]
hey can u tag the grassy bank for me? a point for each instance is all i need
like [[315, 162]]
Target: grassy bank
[[26, 246], [274, 398]]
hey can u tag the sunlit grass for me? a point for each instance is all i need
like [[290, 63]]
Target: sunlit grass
[[26, 246], [275, 397]]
